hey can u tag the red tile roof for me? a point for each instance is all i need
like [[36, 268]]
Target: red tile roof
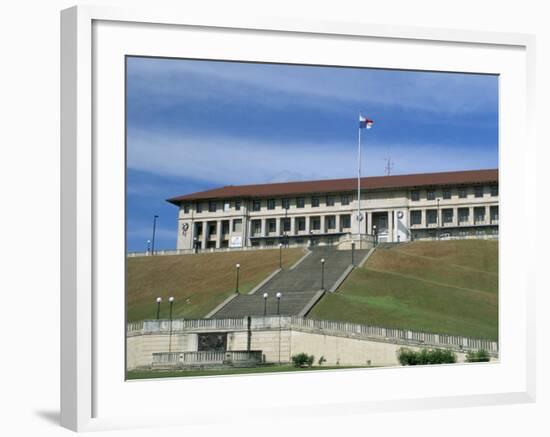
[[339, 185]]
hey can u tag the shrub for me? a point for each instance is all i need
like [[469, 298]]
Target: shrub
[[478, 356], [408, 357], [321, 360], [302, 360]]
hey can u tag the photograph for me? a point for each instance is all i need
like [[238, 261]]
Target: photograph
[[297, 218]]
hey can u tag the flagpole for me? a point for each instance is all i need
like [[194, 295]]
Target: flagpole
[[359, 184]]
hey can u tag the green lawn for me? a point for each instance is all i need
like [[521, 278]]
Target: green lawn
[[198, 282], [436, 286], [148, 374]]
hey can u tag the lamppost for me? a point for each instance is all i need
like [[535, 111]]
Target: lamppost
[[352, 253], [148, 247], [265, 303], [154, 231], [237, 267], [281, 256], [438, 225], [159, 300], [375, 234], [279, 294], [171, 300], [322, 274]]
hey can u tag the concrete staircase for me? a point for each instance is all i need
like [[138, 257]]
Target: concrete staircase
[[301, 287]]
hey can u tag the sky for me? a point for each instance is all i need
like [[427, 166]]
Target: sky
[[194, 125]]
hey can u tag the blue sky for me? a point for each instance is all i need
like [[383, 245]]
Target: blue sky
[[195, 125]]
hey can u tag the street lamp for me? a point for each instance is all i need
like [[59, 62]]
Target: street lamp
[[159, 300], [171, 300], [322, 274], [281, 255], [265, 303], [154, 231], [375, 235], [237, 267], [352, 253], [438, 225], [279, 294], [148, 247]]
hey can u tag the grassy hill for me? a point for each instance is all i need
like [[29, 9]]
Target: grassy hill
[[436, 286], [198, 282]]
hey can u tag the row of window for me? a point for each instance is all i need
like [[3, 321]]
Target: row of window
[[462, 192], [447, 215], [300, 224], [271, 203]]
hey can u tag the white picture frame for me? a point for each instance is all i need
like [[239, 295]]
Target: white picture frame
[[92, 394]]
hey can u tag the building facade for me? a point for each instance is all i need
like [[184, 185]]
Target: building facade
[[396, 208]]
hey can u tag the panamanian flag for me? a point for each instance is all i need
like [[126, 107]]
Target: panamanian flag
[[364, 122]]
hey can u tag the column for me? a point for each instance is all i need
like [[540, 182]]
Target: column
[[278, 226], [307, 224], [337, 220], [423, 222], [292, 225], [390, 226], [369, 222], [471, 215], [262, 231], [323, 224], [204, 234], [218, 234], [455, 216], [487, 214]]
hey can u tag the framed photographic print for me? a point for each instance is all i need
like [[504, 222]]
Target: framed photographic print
[[315, 216]]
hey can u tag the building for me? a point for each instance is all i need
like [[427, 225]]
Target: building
[[462, 204]]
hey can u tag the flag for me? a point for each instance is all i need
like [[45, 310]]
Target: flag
[[364, 122]]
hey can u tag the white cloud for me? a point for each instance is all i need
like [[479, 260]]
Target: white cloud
[[226, 160], [278, 85]]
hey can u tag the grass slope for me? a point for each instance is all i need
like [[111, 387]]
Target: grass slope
[[198, 282], [436, 286]]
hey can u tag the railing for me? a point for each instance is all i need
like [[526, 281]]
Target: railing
[[209, 250], [328, 327], [205, 358]]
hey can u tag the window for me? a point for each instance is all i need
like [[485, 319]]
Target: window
[[212, 228], [463, 215], [315, 223], [346, 221], [256, 227], [331, 222], [237, 205], [415, 195], [285, 203], [479, 214], [186, 208], [494, 190], [271, 226], [462, 193], [494, 213], [300, 201], [345, 199], [225, 227], [446, 193], [447, 215], [301, 223], [212, 206], [286, 224], [478, 191], [237, 225], [199, 207], [416, 217], [226, 206], [315, 201], [256, 205], [431, 216], [430, 195], [330, 200], [270, 203]]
